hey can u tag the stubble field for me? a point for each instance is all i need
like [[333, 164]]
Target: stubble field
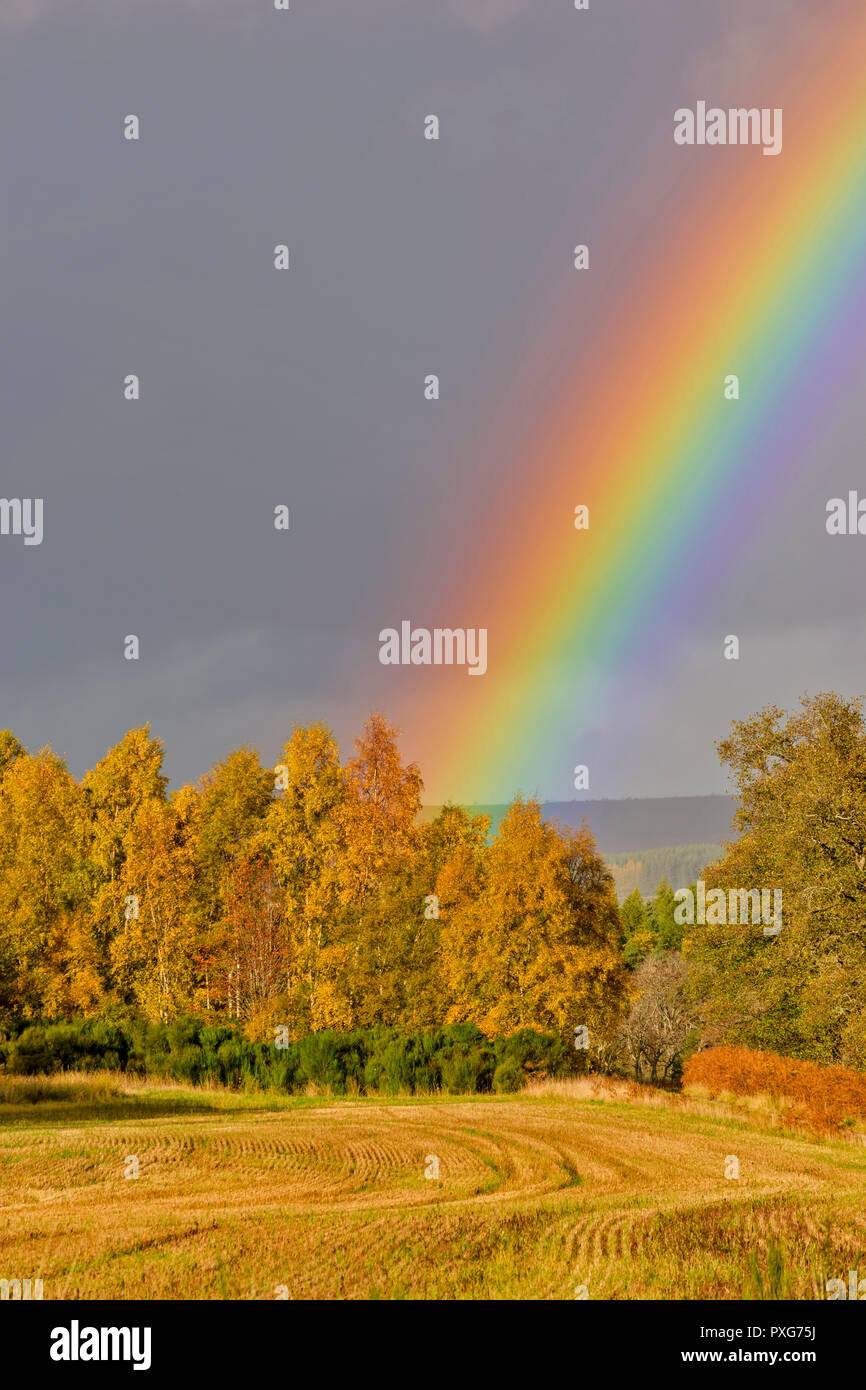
[[560, 1193]]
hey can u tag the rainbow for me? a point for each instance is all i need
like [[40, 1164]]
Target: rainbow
[[759, 270]]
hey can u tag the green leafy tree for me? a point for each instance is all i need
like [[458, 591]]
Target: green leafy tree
[[667, 931], [639, 931], [801, 782]]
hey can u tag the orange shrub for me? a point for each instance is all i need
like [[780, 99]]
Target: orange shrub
[[824, 1097]]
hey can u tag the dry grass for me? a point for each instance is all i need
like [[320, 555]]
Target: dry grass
[[71, 1087], [572, 1183], [95, 1095], [602, 1088], [761, 1109]]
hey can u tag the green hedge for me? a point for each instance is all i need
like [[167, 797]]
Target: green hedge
[[457, 1059]]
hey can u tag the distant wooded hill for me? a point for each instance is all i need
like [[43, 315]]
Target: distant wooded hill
[[636, 824]]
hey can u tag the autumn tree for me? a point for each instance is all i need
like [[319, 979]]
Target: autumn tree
[[153, 954], [234, 798], [127, 779], [42, 889], [383, 799], [305, 838], [10, 749], [381, 837], [446, 872], [257, 945], [538, 946]]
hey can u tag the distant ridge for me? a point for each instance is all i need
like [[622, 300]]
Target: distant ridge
[[635, 823]]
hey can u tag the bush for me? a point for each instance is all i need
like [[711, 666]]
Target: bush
[[508, 1077], [31, 1052], [187, 1064], [464, 1073], [825, 1097], [456, 1058], [536, 1054]]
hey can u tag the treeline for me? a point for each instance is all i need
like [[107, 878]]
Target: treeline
[[456, 1059], [306, 896], [310, 897]]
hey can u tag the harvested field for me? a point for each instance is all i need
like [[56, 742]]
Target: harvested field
[[256, 1197]]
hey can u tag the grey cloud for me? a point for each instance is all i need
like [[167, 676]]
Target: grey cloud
[[485, 15]]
